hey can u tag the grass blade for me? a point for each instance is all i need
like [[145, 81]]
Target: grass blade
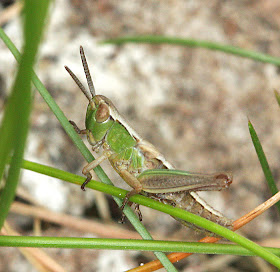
[[263, 161], [127, 244], [277, 95], [198, 44], [15, 124]]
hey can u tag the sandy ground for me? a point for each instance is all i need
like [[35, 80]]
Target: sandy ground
[[192, 104]]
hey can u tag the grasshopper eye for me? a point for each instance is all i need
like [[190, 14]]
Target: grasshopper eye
[[102, 113]]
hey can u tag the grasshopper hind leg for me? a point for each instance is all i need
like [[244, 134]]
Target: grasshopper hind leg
[[137, 188], [136, 209], [133, 182]]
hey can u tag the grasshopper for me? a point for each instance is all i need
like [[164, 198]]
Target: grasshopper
[[139, 163]]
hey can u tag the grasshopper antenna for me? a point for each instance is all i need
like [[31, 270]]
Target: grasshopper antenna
[[86, 69], [79, 83]]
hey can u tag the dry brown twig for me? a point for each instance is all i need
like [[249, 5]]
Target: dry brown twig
[[84, 225]]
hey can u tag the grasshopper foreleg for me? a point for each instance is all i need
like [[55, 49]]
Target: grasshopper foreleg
[[95, 145], [79, 131], [91, 166]]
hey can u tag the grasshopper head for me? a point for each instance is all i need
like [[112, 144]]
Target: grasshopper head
[[98, 117]]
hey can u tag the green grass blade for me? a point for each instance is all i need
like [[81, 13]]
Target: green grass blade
[[175, 212], [196, 44], [127, 244], [263, 162], [84, 150], [15, 123], [277, 95]]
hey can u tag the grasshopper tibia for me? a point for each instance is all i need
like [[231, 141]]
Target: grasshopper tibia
[[88, 179], [136, 209]]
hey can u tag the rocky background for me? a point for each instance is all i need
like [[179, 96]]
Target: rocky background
[[192, 104]]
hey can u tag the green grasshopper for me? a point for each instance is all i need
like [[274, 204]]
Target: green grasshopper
[[139, 163]]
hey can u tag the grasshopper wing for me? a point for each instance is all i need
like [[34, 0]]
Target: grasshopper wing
[[170, 180]]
